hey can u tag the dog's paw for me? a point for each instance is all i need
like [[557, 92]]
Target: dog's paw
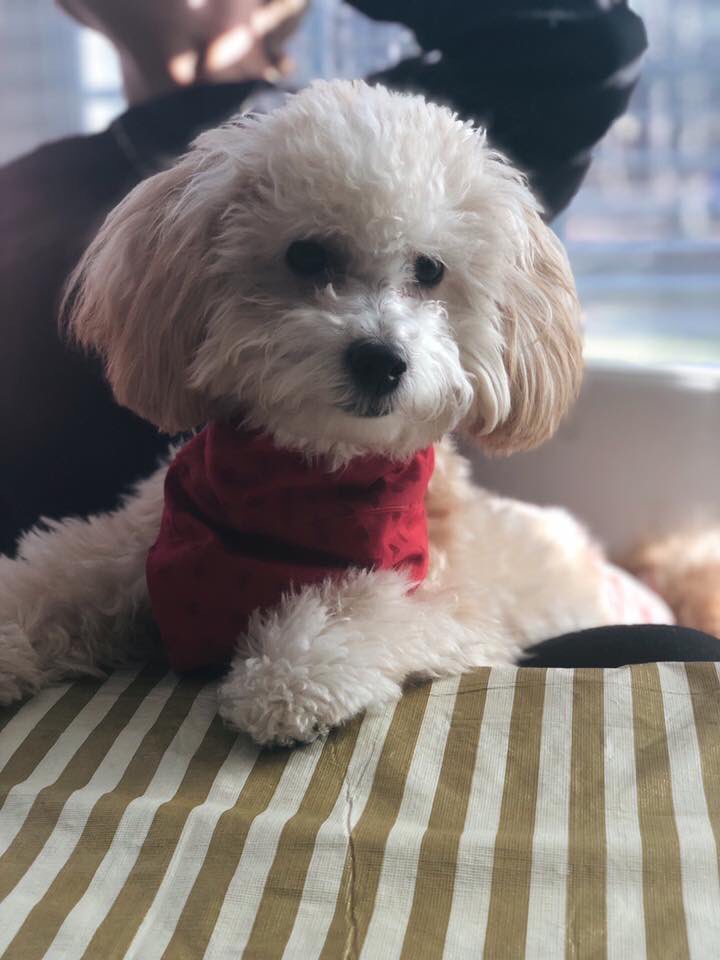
[[279, 702], [310, 666], [20, 670]]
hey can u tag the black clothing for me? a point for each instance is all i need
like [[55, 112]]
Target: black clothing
[[66, 447], [547, 77], [618, 646]]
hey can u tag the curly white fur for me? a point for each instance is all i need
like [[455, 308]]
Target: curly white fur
[[187, 295]]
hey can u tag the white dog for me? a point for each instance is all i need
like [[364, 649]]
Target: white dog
[[243, 284]]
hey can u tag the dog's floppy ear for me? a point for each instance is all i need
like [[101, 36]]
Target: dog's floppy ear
[[539, 322], [141, 292]]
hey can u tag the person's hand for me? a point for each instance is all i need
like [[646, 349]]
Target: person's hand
[[168, 43]]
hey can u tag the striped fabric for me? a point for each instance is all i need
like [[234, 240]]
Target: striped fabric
[[508, 813]]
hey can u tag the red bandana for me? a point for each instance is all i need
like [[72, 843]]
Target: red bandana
[[244, 522]]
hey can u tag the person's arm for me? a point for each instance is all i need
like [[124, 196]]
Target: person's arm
[[547, 77]]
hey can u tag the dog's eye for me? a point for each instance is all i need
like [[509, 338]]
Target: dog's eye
[[307, 258], [428, 272]]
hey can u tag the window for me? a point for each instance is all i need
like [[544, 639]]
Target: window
[[643, 234], [55, 78]]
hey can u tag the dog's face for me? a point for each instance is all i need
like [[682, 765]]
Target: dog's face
[[356, 272]]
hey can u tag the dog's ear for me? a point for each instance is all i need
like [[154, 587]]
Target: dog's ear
[[543, 342], [539, 323], [141, 293]]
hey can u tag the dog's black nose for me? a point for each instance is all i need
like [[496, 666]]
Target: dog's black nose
[[375, 368]]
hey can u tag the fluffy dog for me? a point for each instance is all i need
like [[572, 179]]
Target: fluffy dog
[[234, 287]]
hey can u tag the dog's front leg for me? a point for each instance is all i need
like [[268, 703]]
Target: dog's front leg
[[331, 651], [75, 600]]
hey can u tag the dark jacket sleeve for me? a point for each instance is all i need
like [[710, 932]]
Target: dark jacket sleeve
[[546, 77], [66, 447]]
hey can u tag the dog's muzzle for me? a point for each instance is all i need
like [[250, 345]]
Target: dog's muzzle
[[376, 371]]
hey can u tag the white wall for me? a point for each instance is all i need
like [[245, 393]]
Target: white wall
[[639, 455]]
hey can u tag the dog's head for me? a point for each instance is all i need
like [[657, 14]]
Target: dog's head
[[355, 272]]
